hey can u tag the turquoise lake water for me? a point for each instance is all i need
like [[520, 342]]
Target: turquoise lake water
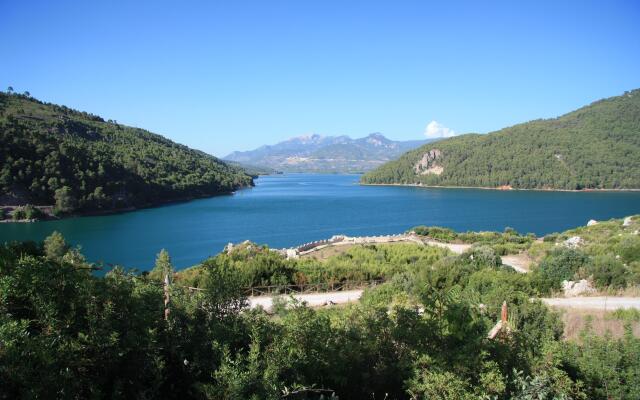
[[286, 210]]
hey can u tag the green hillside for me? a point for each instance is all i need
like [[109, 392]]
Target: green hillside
[[51, 154], [595, 147]]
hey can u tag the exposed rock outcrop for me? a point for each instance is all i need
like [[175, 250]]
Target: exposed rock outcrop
[[428, 164], [573, 289], [573, 242], [592, 222]]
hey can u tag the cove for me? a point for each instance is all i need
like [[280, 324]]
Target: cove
[[286, 210]]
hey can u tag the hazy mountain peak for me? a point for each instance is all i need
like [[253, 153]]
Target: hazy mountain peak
[[311, 137], [377, 139], [317, 153]]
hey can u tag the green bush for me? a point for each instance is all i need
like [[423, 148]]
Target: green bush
[[429, 384], [626, 315], [558, 265], [26, 212], [629, 248], [435, 232], [607, 271], [482, 256]]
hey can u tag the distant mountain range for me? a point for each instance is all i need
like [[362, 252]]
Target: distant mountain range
[[594, 147], [316, 153]]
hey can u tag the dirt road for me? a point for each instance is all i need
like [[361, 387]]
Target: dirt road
[[454, 247], [519, 262], [594, 303], [312, 300], [584, 303]]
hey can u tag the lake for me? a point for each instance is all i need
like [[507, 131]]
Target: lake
[[286, 210]]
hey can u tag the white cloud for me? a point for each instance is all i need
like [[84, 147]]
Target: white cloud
[[436, 130]]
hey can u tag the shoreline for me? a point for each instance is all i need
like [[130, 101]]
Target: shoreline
[[99, 213], [498, 188]]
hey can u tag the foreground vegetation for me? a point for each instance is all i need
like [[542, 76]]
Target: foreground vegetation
[[555, 153], [67, 333], [608, 254], [77, 162]]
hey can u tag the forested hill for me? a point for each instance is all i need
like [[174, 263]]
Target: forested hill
[[594, 147], [51, 154]]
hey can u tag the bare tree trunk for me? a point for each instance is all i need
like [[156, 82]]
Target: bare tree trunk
[[166, 297]]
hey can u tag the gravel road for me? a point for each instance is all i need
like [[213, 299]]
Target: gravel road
[[594, 303], [586, 303], [312, 300]]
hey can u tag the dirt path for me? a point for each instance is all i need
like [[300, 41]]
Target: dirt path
[[456, 248], [519, 262], [594, 303], [600, 303], [312, 300]]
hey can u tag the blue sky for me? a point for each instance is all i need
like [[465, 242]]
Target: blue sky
[[223, 76]]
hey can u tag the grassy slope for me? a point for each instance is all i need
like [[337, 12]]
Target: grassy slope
[[597, 146]]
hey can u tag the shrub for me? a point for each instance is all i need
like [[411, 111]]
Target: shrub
[[607, 271], [483, 256], [509, 242], [55, 247], [559, 265], [626, 315], [435, 232], [629, 248], [65, 201], [428, 384], [26, 212]]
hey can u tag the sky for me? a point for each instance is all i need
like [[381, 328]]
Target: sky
[[221, 76]]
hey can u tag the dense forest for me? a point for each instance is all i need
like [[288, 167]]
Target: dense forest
[[67, 333], [75, 161], [595, 147]]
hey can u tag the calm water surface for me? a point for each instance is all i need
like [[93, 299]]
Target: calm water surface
[[285, 210]]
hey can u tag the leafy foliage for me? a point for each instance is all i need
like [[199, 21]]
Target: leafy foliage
[[559, 265], [26, 212], [66, 333], [507, 242], [51, 154], [608, 255]]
